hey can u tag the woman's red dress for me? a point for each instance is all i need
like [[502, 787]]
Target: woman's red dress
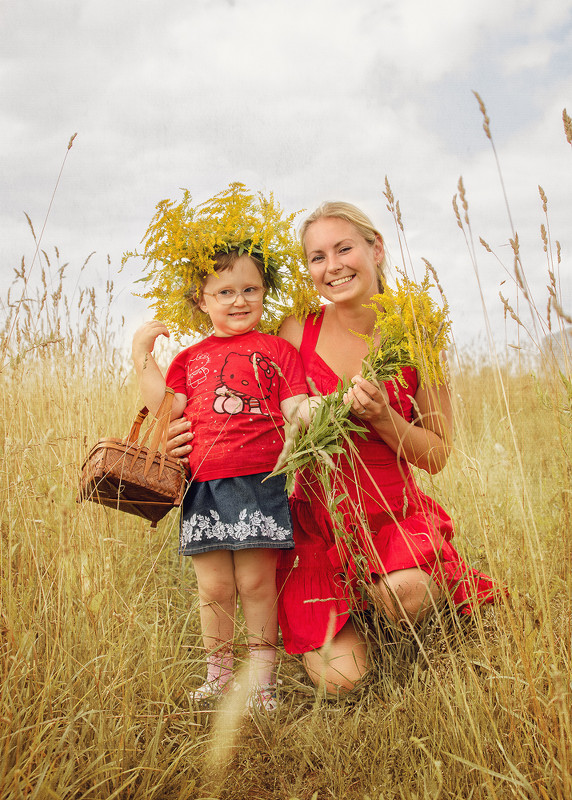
[[387, 522]]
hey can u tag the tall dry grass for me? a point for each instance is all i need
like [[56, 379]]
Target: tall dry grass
[[99, 617]]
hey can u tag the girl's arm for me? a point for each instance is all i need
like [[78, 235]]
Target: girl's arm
[[151, 380], [291, 330], [426, 441], [300, 406]]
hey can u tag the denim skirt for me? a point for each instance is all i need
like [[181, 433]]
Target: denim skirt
[[235, 514]]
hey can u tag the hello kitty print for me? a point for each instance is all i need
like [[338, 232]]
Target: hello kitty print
[[234, 386], [246, 382]]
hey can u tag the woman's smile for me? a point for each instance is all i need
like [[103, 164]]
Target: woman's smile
[[340, 281]]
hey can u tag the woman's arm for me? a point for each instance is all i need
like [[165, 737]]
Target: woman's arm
[[179, 442], [425, 442], [292, 331]]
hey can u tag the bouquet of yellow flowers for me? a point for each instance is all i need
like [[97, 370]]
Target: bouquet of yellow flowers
[[410, 330]]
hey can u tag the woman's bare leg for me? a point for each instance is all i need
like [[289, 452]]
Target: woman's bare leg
[[406, 594], [341, 663]]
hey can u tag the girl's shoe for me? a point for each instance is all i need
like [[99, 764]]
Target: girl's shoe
[[263, 699], [209, 692]]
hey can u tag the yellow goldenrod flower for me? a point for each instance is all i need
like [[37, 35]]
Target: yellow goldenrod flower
[[410, 327], [182, 240]]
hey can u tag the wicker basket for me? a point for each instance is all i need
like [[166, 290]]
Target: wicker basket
[[122, 474]]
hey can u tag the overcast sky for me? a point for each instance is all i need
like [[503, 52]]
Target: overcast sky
[[310, 99]]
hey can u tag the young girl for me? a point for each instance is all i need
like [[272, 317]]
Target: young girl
[[235, 387]]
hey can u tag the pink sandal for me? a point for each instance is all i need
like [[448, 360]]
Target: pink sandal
[[263, 699], [210, 690]]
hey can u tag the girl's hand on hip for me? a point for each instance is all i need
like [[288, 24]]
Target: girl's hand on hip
[[369, 402], [145, 336]]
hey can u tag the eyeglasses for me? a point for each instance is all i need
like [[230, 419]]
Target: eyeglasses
[[226, 297]]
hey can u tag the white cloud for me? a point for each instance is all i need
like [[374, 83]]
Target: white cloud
[[312, 99], [528, 56]]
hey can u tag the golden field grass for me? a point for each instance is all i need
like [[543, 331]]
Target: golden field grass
[[100, 638], [99, 617]]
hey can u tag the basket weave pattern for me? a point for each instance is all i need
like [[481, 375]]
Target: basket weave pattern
[[127, 476]]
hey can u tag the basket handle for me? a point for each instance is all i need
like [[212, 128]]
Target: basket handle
[[159, 440], [160, 429], [133, 434]]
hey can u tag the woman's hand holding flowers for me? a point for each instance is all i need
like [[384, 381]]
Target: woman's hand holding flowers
[[369, 401]]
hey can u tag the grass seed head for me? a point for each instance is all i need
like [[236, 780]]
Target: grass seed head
[[486, 120], [567, 126]]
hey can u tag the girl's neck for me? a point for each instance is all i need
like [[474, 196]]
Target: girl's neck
[[232, 335]]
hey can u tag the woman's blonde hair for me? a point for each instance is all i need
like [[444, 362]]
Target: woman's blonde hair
[[356, 217]]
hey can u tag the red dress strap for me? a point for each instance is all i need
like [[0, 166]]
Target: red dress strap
[[312, 327]]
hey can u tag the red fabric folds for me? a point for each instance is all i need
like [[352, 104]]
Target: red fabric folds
[[385, 523]]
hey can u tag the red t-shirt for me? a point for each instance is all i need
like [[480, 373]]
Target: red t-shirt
[[234, 386]]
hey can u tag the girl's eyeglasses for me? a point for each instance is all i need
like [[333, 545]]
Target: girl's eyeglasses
[[226, 297]]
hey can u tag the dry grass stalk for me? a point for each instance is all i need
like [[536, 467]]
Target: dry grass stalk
[[486, 120], [457, 212], [463, 196], [509, 310], [100, 624], [560, 312]]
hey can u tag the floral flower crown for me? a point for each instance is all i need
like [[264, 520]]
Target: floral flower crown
[[181, 244]]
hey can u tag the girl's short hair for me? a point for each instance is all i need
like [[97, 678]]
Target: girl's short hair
[[356, 217], [223, 261]]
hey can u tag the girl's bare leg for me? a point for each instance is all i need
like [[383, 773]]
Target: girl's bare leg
[[255, 576], [217, 598]]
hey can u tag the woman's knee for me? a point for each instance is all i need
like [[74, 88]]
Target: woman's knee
[[407, 594], [339, 665]]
